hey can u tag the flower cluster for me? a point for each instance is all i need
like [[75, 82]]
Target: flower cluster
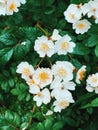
[[7, 7], [50, 85], [74, 14], [55, 44], [92, 83]]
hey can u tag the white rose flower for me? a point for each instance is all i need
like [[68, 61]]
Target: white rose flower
[[42, 97], [81, 26], [64, 45], [44, 47]]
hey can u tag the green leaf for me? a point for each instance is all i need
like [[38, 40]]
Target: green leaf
[[81, 49], [7, 39], [40, 126], [9, 120], [21, 97], [96, 50], [93, 103], [24, 126], [5, 55], [49, 2], [92, 40], [50, 10], [11, 82], [57, 126], [15, 91], [21, 50], [70, 121], [48, 124]]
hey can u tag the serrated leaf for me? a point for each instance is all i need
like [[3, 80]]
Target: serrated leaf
[[9, 120], [5, 55], [22, 50]]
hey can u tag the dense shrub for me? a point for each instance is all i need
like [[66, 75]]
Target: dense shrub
[[48, 64]]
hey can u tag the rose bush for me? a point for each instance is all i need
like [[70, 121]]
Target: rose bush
[[48, 64]]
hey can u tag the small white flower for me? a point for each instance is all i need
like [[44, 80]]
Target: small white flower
[[12, 6], [73, 13], [80, 74], [43, 46], [81, 26], [55, 36], [49, 113], [61, 90], [42, 97], [62, 70], [93, 8], [92, 83], [93, 80], [25, 69], [43, 76], [60, 104], [64, 45]]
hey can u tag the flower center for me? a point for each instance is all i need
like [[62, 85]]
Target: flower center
[[30, 82], [62, 87], [26, 71], [44, 47], [43, 76], [63, 104], [39, 94], [72, 16], [62, 72], [64, 46], [94, 9], [81, 74], [81, 26], [12, 7], [94, 79]]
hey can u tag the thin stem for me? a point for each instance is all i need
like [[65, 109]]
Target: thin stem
[[46, 33], [39, 63], [13, 127], [33, 109], [49, 62]]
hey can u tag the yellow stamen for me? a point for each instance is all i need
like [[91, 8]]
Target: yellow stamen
[[63, 104], [40, 94], [72, 16], [62, 72], [44, 47], [43, 76], [12, 7], [26, 71], [81, 26], [64, 46], [94, 80]]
